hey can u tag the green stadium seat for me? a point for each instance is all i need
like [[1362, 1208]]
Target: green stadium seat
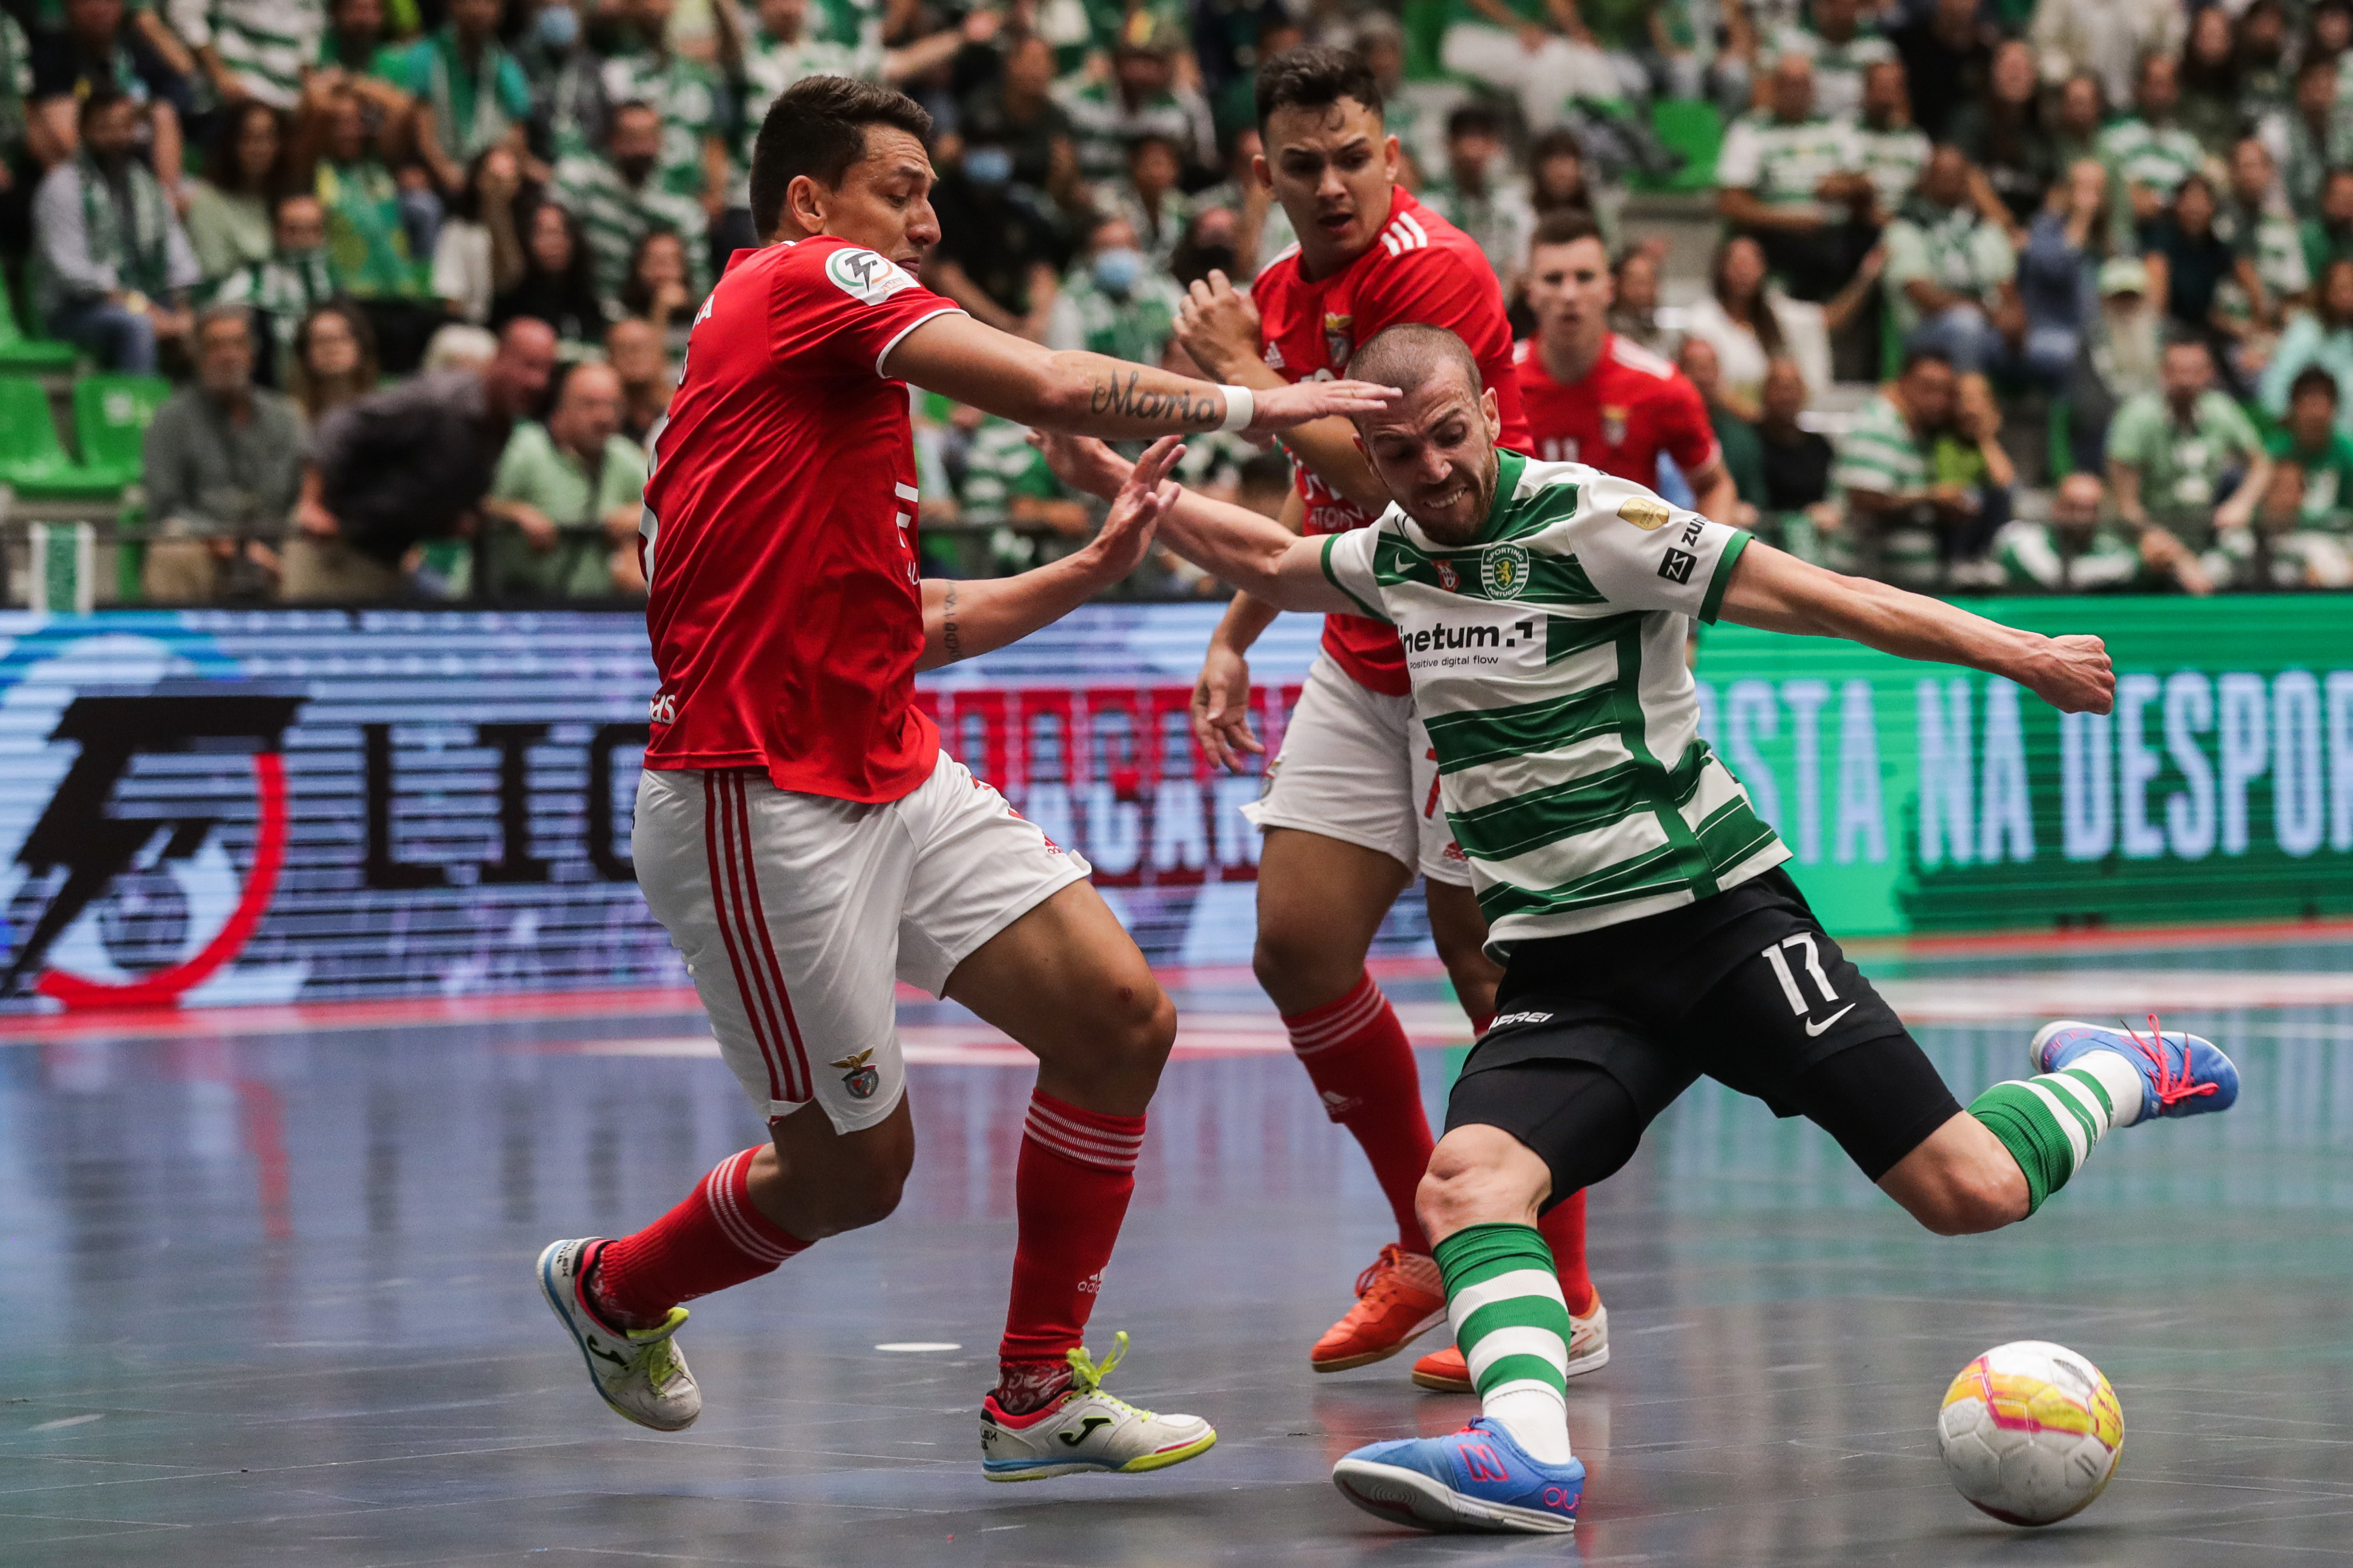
[[36, 465], [111, 414], [20, 353], [1425, 30], [1692, 128]]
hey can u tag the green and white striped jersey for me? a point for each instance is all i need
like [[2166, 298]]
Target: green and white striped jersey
[[615, 217], [2157, 156], [1547, 664], [264, 43]]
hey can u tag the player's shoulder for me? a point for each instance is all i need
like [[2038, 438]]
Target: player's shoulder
[[1640, 363], [1417, 240], [829, 269], [1282, 267]]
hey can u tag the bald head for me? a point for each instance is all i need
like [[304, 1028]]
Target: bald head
[[2077, 504], [587, 410], [1434, 449], [517, 375]]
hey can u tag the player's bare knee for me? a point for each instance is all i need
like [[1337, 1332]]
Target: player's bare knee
[[1971, 1200], [1472, 1181], [1296, 967]]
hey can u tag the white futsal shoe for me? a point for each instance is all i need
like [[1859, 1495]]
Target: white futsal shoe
[[1086, 1429], [640, 1373]]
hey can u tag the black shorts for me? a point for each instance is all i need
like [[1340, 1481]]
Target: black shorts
[[1595, 1035]]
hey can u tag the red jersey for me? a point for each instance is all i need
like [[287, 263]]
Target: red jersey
[[779, 533], [1420, 269], [1630, 407]]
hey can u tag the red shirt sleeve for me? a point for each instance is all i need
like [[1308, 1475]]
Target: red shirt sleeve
[[1686, 430], [845, 307]]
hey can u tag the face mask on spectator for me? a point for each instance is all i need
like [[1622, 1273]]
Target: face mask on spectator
[[987, 165], [1118, 269], [559, 26], [636, 167]]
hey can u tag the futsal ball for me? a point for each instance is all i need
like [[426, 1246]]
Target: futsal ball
[[2030, 1432]]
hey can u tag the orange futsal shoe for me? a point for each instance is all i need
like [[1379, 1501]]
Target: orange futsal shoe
[[1399, 1299], [1588, 1350]]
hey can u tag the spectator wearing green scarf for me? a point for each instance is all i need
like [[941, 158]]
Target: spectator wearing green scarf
[[112, 267]]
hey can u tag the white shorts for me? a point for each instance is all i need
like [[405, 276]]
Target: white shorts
[[1356, 765], [795, 912]]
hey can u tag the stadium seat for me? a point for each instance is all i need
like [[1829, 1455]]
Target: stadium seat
[[19, 353], [111, 414], [36, 465], [1692, 128], [1425, 30]]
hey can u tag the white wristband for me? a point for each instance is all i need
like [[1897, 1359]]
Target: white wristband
[[1241, 408]]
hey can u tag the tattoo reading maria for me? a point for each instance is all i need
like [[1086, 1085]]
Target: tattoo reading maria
[[1128, 397]]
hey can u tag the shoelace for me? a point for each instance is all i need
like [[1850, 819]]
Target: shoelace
[[1383, 1271], [1085, 1375], [2169, 1088]]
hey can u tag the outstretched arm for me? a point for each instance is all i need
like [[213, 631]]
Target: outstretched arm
[[1232, 544], [1094, 394], [965, 619], [1780, 593]]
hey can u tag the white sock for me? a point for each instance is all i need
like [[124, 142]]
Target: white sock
[[2126, 1089], [1536, 1418]]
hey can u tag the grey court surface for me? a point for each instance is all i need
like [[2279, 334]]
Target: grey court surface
[[271, 1301]]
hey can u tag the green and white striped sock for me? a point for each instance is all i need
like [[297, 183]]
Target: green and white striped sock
[[1511, 1324], [2052, 1122]]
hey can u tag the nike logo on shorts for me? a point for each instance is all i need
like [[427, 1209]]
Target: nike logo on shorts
[[1815, 1031]]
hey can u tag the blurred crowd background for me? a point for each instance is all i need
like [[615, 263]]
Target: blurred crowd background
[[370, 301]]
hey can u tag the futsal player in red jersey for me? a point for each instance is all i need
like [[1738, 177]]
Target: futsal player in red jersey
[[1592, 396], [1350, 811], [801, 833]]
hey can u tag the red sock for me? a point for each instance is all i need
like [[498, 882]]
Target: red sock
[[1355, 1055], [1564, 1231], [1069, 1194], [715, 1239]]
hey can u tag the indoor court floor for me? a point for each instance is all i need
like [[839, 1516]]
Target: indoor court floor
[[271, 1279]]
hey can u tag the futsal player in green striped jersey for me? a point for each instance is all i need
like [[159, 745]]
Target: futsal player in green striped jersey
[[1635, 897]]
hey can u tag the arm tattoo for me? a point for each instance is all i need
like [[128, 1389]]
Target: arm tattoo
[[1128, 397], [950, 638]]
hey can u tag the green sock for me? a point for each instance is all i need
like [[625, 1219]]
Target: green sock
[[1512, 1326], [2049, 1124]]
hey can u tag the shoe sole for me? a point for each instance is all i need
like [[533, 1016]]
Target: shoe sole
[[1141, 1465], [1409, 1496], [1344, 1363], [1577, 1367], [548, 1289]]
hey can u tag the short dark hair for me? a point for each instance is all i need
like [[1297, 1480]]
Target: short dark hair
[[1566, 226], [817, 127], [1314, 76], [2311, 378], [1913, 358], [1407, 356], [1474, 120]]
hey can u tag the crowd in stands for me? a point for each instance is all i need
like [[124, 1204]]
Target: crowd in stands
[[2003, 295]]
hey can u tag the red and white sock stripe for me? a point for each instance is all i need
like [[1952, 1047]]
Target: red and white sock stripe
[[1084, 1137], [744, 928], [1321, 1029], [728, 1191]]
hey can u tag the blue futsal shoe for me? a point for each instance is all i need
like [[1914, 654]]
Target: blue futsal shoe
[[2180, 1075], [1477, 1479]]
